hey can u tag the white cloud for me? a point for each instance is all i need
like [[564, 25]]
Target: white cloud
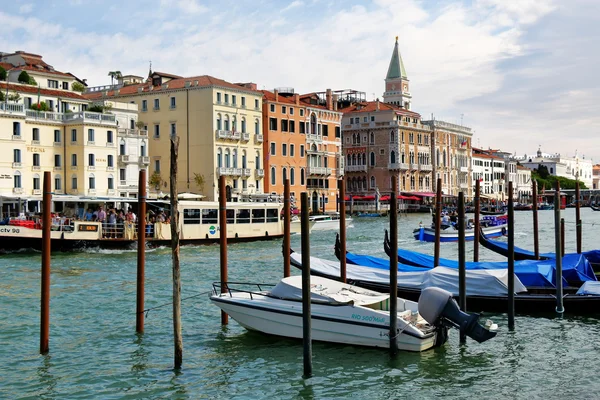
[[293, 4], [26, 8], [187, 6]]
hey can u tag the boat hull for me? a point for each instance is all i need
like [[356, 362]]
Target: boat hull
[[451, 235], [348, 325]]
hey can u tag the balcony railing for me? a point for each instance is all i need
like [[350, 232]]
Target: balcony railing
[[125, 158], [259, 173], [314, 137], [44, 115], [8, 108], [401, 166], [91, 168], [464, 185], [464, 169], [91, 192], [414, 166], [229, 171], [258, 138], [18, 137], [57, 144], [227, 135], [319, 171], [36, 192], [355, 168], [132, 132], [145, 160], [90, 117], [246, 172], [35, 168], [245, 136], [17, 165], [18, 190], [425, 167]]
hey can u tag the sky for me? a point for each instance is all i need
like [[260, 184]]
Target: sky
[[520, 73]]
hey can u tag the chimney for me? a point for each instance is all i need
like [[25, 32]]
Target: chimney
[[335, 102], [378, 104], [276, 94], [297, 99], [328, 99]]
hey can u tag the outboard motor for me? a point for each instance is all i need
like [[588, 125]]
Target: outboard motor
[[436, 304]]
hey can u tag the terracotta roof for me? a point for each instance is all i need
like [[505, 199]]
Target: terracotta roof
[[167, 75], [6, 66], [488, 156], [203, 81], [523, 167], [270, 96], [370, 106], [46, 92]]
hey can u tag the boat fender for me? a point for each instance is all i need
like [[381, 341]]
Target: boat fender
[[267, 233], [504, 231], [207, 235], [236, 235]]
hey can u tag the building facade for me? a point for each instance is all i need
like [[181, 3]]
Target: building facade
[[523, 185], [381, 142], [490, 171], [577, 167], [219, 126]]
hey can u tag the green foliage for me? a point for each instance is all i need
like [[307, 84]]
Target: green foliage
[[155, 179], [199, 180], [77, 87], [140, 124], [3, 74], [40, 107], [1, 96], [14, 97], [24, 77], [96, 108], [549, 181]]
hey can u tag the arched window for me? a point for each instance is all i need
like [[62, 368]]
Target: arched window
[[234, 124], [392, 137], [110, 182], [91, 160], [235, 157], [403, 157], [292, 177], [313, 124], [122, 147], [372, 159], [283, 174], [412, 182], [354, 138], [226, 123], [227, 158], [302, 176], [364, 159], [273, 180], [353, 159], [349, 158], [372, 138], [403, 182], [444, 158], [372, 182], [256, 127], [132, 124], [92, 181], [393, 157], [244, 161], [243, 125], [143, 149], [16, 155], [219, 157], [364, 183], [36, 182], [257, 160], [219, 122]]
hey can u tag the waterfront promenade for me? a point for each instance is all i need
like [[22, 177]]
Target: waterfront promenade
[[95, 353]]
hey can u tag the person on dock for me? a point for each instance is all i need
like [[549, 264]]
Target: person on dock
[[112, 224]]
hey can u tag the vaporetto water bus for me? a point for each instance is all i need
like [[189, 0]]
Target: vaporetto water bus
[[198, 224]]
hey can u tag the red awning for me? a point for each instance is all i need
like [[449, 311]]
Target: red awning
[[422, 194], [368, 198], [347, 198], [385, 198], [413, 198]]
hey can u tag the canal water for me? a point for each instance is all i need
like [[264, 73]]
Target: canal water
[[95, 353]]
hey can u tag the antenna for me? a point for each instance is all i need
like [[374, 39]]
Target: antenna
[[461, 119]]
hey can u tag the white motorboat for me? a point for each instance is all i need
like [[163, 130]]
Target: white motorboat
[[342, 313], [324, 222]]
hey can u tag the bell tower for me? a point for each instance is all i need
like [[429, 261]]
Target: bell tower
[[397, 90]]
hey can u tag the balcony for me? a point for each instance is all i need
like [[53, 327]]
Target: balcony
[[258, 138], [425, 167], [36, 192], [414, 167], [12, 109], [35, 168], [464, 169], [91, 192], [110, 144], [245, 136], [35, 142], [464, 185], [259, 173], [18, 137], [144, 160], [126, 158], [246, 172], [89, 117], [319, 171], [91, 168], [58, 191], [18, 190], [110, 168], [227, 135], [355, 168], [45, 116], [229, 171], [314, 137], [57, 144], [58, 168], [111, 192], [17, 165], [132, 132]]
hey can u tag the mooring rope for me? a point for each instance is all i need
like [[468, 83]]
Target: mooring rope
[[146, 311]]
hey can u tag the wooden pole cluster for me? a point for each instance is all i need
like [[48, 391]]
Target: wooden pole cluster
[[394, 268], [141, 252], [223, 241], [438, 222], [177, 337], [558, 250], [462, 270], [46, 250], [286, 228], [511, 258], [536, 241], [306, 311], [578, 217], [476, 228], [342, 191]]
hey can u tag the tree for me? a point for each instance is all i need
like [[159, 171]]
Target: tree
[[155, 180], [24, 77], [543, 172], [78, 87], [199, 179], [140, 124], [3, 74], [114, 75], [14, 97]]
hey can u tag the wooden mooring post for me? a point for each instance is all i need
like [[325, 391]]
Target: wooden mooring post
[[511, 258], [462, 271], [141, 252], [562, 237], [46, 251], [177, 337], [286, 228], [476, 222], [306, 312], [438, 222], [394, 267], [536, 241], [578, 217], [342, 193], [558, 250], [223, 241]]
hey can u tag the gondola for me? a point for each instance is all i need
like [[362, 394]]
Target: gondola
[[595, 208], [492, 212], [593, 256], [533, 301]]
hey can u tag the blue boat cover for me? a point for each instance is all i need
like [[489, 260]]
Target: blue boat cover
[[576, 268], [379, 263], [593, 256]]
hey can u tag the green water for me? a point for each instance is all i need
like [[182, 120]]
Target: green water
[[95, 353]]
